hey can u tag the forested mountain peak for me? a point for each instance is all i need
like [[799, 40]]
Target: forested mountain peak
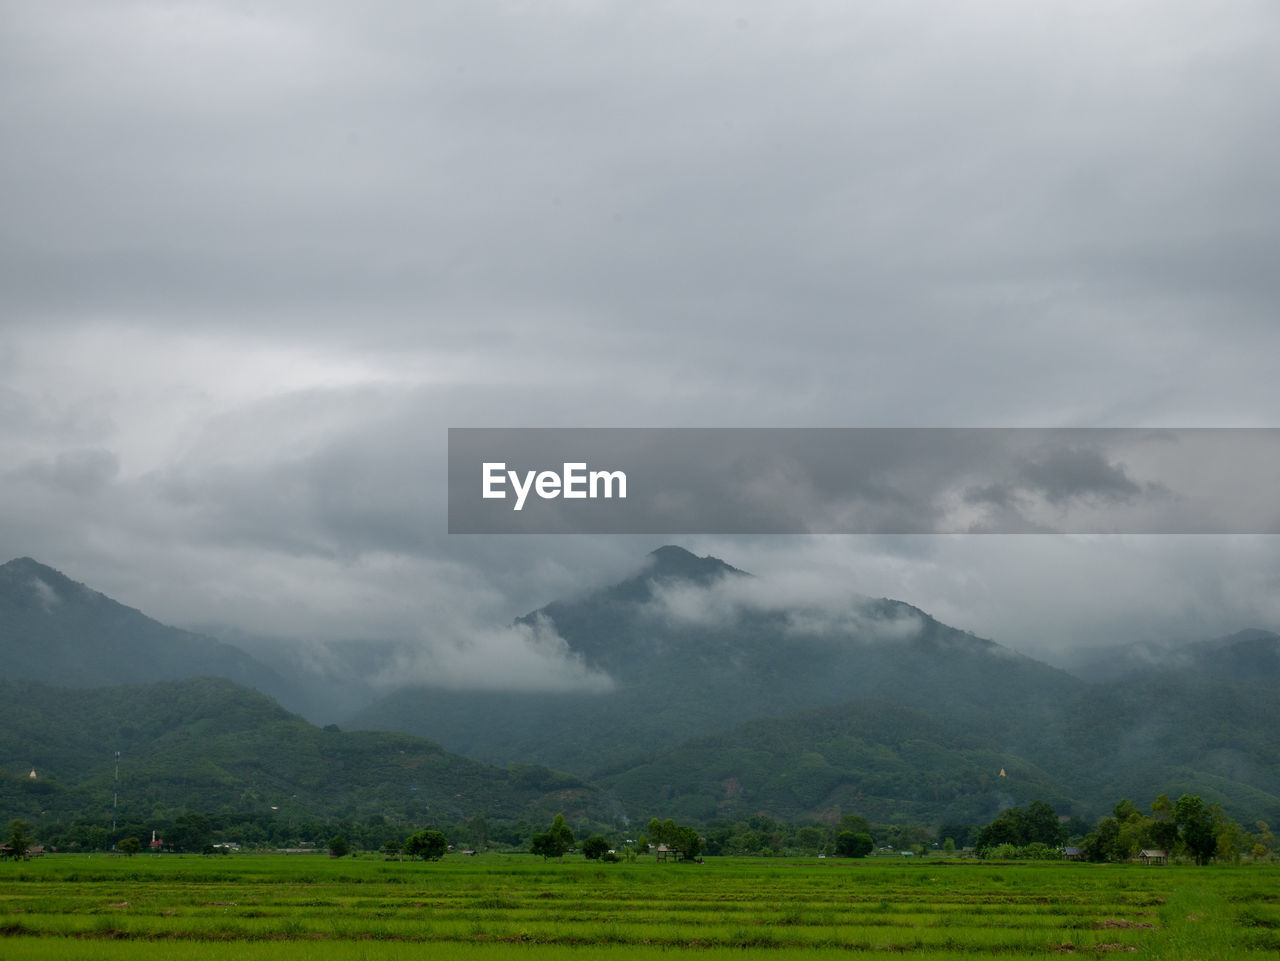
[[666, 566], [696, 646], [671, 561], [59, 631], [26, 583]]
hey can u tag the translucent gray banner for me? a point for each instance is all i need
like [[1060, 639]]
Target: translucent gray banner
[[864, 480]]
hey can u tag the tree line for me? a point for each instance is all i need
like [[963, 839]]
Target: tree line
[[1187, 828], [757, 835]]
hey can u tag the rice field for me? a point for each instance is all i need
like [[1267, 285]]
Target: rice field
[[517, 906]]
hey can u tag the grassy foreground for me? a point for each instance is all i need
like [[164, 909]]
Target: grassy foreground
[[475, 909]]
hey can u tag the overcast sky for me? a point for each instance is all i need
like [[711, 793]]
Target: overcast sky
[[256, 258]]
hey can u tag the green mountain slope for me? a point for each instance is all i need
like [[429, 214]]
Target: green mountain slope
[[58, 631], [1174, 733], [207, 744], [1248, 655], [884, 761]]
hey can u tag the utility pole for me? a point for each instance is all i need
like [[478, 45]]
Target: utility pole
[[115, 801]]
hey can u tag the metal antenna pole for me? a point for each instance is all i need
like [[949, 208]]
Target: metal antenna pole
[[115, 801]]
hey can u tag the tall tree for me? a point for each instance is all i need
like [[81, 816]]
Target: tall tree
[[1043, 826], [854, 845], [1164, 826], [1102, 843], [1009, 827], [542, 844], [655, 832], [688, 842], [555, 841], [855, 823], [1264, 840], [428, 845], [809, 839], [561, 834], [1196, 828], [677, 837], [190, 832], [478, 832], [19, 838]]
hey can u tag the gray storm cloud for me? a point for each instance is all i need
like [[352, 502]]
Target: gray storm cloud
[[257, 259], [45, 594], [73, 471], [813, 608], [521, 657]]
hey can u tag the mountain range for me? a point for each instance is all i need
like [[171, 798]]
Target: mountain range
[[725, 702]]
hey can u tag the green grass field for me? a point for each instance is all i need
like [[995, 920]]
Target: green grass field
[[246, 906]]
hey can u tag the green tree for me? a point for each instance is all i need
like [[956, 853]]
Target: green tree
[[392, 849], [428, 845], [1263, 840], [1134, 835], [542, 844], [1102, 843], [809, 839], [1164, 824], [338, 847], [129, 846], [1231, 840], [478, 832], [851, 845], [19, 838], [855, 824], [561, 835], [89, 837], [962, 834], [748, 841], [1125, 810], [1195, 827], [594, 847], [1043, 826], [1009, 827], [1038, 824], [663, 832], [688, 842], [190, 832], [1122, 835], [681, 838]]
